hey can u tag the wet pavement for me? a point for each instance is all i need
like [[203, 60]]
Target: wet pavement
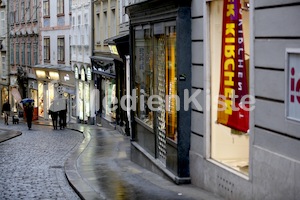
[[100, 168]]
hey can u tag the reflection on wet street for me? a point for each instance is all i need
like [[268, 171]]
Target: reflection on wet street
[[101, 169]]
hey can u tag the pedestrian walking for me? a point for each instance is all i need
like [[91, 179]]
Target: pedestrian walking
[[54, 116], [62, 119], [28, 108], [6, 111]]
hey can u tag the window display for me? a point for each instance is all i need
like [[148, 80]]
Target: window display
[[157, 47], [144, 74], [228, 146], [108, 96]]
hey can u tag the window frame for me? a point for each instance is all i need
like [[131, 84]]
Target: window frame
[[61, 49], [29, 63], [46, 8], [47, 49], [60, 8]]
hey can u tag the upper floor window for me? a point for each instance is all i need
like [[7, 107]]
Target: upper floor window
[[35, 52], [12, 61], [46, 8], [12, 18], [2, 23], [60, 7], [61, 50], [23, 53], [79, 20], [17, 53], [29, 53], [28, 11], [4, 67], [46, 49], [35, 11], [22, 11], [17, 12]]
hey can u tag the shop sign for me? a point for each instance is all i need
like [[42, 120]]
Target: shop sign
[[293, 86], [113, 49], [67, 77], [232, 111], [76, 72]]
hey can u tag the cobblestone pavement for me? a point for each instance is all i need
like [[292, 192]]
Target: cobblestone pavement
[[31, 165]]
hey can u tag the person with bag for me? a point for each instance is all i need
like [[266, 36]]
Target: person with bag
[[6, 111]]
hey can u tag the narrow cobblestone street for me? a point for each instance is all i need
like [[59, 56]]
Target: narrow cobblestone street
[[32, 165]]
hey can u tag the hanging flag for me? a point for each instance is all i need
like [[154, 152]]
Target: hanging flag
[[233, 82]]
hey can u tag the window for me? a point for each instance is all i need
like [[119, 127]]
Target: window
[[17, 12], [4, 67], [86, 19], [61, 49], [2, 23], [97, 31], [105, 25], [12, 18], [60, 7], [228, 145], [12, 61], [73, 21], [79, 20], [35, 52], [155, 77], [35, 9], [46, 8], [144, 74], [17, 53], [23, 53], [29, 53], [113, 22], [28, 11], [22, 11], [47, 49]]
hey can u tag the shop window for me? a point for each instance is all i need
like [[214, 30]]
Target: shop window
[[108, 96], [144, 74], [229, 146], [155, 74]]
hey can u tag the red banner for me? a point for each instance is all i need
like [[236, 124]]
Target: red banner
[[234, 91]]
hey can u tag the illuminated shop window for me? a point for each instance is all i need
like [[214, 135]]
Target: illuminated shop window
[[155, 74], [229, 146]]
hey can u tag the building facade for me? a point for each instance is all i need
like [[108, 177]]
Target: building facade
[[107, 66], [24, 47], [55, 57], [254, 156], [263, 162], [160, 38], [4, 53], [81, 50]]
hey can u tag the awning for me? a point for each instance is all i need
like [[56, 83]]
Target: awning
[[118, 38]]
